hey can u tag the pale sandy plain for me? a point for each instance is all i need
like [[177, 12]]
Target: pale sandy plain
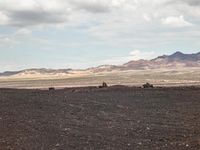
[[158, 77]]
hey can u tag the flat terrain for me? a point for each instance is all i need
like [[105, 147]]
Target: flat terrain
[[158, 77], [114, 118]]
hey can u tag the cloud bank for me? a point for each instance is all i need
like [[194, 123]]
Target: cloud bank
[[48, 12], [98, 29]]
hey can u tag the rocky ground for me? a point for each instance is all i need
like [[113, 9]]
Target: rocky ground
[[115, 118]]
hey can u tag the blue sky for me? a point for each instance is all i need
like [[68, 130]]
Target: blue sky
[[81, 34]]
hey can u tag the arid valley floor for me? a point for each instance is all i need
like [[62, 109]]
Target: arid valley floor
[[114, 118], [158, 77]]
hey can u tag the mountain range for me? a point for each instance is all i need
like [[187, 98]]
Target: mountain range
[[176, 60]]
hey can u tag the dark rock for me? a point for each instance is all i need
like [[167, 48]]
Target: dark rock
[[148, 85], [104, 85], [51, 89]]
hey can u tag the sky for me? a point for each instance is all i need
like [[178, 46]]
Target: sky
[[85, 33]]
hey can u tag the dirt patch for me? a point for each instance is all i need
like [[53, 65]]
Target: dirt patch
[[114, 118]]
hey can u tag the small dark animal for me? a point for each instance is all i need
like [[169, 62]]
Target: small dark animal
[[104, 85], [51, 89], [148, 85]]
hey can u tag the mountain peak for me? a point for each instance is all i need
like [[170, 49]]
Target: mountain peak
[[178, 53], [183, 58]]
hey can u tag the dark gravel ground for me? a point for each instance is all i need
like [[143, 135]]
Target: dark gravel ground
[[115, 118]]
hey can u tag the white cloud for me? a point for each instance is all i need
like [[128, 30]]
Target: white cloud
[[3, 19], [7, 42], [147, 17], [94, 6], [137, 54], [107, 25], [195, 3], [133, 55], [34, 12], [176, 21], [25, 13], [122, 23], [23, 32]]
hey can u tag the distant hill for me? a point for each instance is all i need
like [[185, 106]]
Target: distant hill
[[176, 60], [41, 71]]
